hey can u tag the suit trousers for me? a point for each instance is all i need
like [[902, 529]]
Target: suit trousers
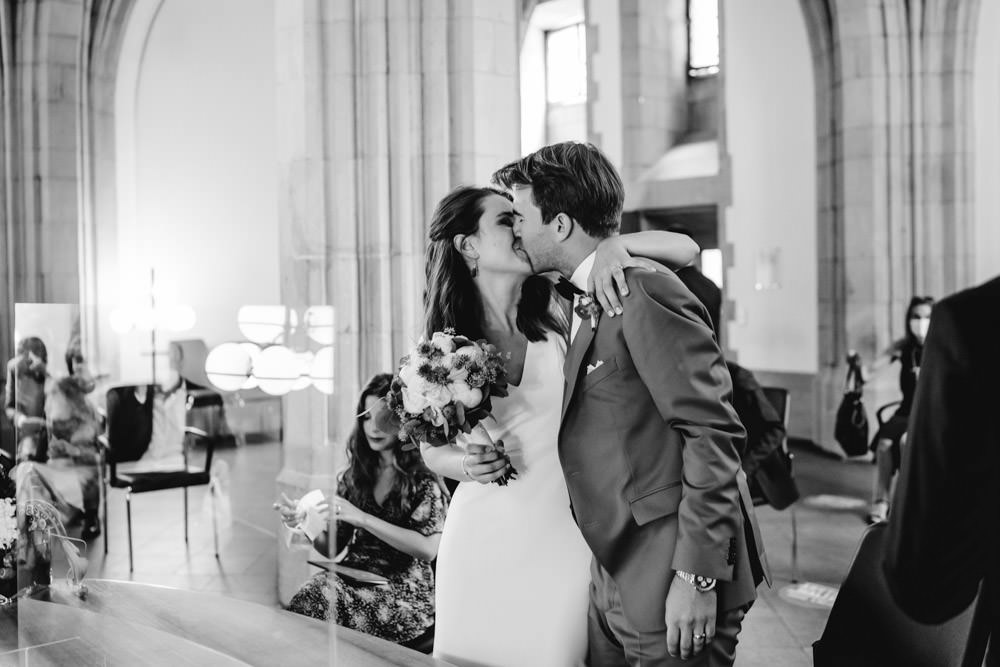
[[612, 642]]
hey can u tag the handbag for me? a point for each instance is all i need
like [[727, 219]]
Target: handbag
[[851, 429]]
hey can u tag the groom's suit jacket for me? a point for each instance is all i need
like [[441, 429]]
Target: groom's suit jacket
[[648, 445]]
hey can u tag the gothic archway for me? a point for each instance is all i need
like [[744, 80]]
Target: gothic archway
[[894, 213]]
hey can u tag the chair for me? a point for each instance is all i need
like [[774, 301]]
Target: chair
[[128, 434], [880, 413], [780, 399], [866, 628]]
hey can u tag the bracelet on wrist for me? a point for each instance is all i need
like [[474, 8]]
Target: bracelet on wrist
[[700, 583], [465, 471]]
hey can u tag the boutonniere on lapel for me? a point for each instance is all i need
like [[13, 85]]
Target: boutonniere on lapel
[[587, 308]]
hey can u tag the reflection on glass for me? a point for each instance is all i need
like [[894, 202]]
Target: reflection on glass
[[49, 399]]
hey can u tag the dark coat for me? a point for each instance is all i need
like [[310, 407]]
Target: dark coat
[[944, 530]]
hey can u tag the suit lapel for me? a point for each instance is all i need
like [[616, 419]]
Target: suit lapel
[[577, 352]]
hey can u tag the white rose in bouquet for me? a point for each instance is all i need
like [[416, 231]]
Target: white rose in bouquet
[[408, 372], [443, 342], [437, 396], [457, 376], [413, 400], [470, 397]]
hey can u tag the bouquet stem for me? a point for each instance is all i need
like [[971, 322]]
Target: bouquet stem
[[482, 436]]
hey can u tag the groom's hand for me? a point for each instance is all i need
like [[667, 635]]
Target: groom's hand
[[690, 619]]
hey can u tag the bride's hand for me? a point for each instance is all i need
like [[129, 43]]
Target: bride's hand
[[484, 464], [607, 279]]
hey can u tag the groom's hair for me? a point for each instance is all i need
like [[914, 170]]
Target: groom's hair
[[572, 178]]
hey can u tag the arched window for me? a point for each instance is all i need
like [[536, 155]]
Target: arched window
[[703, 38], [566, 65]]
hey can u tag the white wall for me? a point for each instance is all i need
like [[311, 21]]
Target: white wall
[[986, 92], [770, 126], [197, 163]]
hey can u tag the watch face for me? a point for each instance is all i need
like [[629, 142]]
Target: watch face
[[704, 584]]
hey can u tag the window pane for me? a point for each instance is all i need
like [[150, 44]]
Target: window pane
[[711, 265], [566, 65], [703, 27]]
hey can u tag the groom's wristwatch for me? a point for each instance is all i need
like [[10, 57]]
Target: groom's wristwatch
[[700, 583]]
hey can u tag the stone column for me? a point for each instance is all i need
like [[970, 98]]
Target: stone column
[[57, 81], [383, 107], [41, 46], [653, 81], [103, 25]]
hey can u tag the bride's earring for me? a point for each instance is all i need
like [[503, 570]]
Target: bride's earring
[[468, 252]]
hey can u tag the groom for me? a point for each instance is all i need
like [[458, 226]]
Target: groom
[[648, 441]]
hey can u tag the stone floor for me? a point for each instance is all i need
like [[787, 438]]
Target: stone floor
[[778, 632]]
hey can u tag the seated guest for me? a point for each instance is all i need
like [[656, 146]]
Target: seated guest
[[396, 508], [74, 425], [69, 479], [27, 380], [161, 411], [891, 436]]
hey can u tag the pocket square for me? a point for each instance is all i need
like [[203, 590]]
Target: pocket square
[[593, 367]]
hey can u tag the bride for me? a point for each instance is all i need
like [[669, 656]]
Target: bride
[[513, 570]]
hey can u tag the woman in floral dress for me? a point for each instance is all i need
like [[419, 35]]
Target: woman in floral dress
[[390, 510]]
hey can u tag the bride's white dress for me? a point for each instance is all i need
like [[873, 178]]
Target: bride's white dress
[[513, 572]]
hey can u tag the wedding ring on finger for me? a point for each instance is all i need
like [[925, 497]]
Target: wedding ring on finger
[[698, 637], [336, 508]]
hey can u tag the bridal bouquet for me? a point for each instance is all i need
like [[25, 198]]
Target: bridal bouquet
[[444, 387]]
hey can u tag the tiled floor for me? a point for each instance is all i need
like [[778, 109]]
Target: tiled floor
[[247, 565], [777, 633]]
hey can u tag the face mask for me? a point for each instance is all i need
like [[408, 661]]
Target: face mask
[[919, 326]]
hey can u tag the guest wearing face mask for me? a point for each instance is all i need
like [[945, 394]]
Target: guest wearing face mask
[[891, 436]]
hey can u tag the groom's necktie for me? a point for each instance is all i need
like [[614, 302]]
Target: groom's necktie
[[568, 290]]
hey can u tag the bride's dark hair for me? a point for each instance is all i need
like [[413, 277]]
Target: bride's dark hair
[[451, 298]]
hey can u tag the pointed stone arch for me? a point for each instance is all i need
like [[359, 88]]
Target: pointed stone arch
[[58, 59], [894, 210]]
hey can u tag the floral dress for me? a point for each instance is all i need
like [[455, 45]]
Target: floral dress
[[400, 611]]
